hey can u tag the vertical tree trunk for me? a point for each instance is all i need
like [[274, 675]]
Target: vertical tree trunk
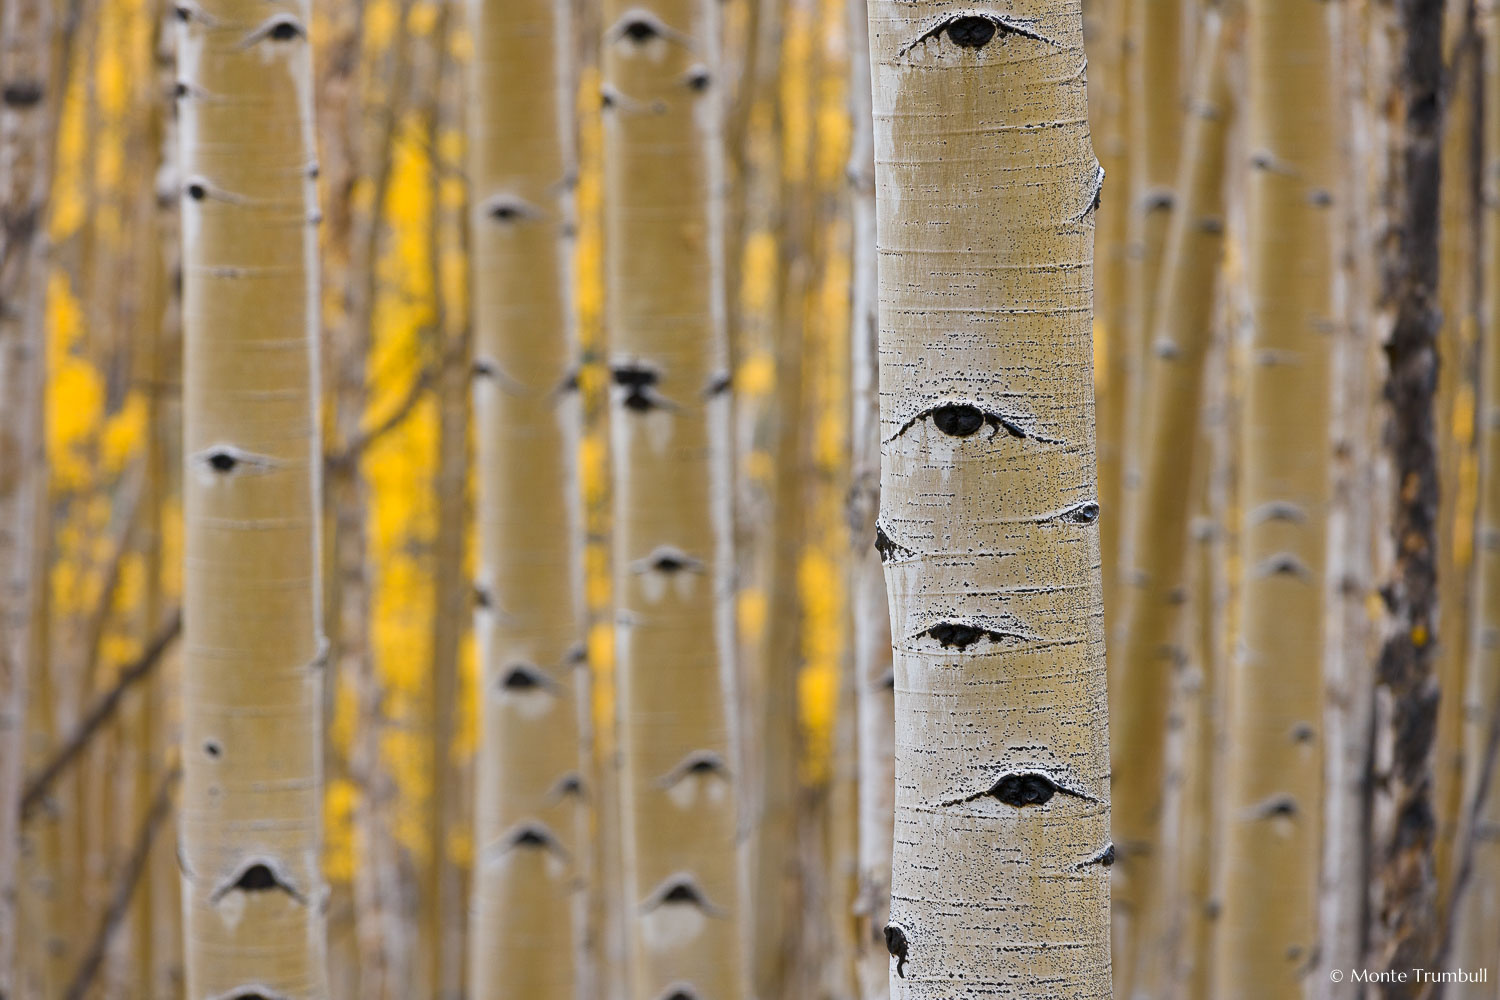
[[526, 936], [253, 646], [26, 103], [1475, 906], [673, 531], [986, 188], [1156, 574], [1404, 931], [873, 703], [1274, 781]]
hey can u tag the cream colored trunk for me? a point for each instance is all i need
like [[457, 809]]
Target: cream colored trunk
[[986, 187], [673, 556], [526, 935], [1155, 578], [1267, 934], [873, 704], [253, 648]]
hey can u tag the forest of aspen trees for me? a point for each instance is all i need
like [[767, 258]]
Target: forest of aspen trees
[[749, 499]]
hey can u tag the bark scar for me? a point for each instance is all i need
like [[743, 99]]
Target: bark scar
[[680, 890], [974, 28], [258, 875]]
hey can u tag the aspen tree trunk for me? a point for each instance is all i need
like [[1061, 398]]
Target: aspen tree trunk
[[1155, 127], [1111, 66], [26, 117], [253, 648], [873, 702], [1475, 909], [986, 188], [672, 488], [1454, 412], [530, 824], [1156, 545], [1274, 782], [1407, 692]]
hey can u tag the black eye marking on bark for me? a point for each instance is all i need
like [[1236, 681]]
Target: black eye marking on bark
[[680, 994], [680, 890], [227, 460], [1080, 513], [1320, 198], [1283, 564], [197, 190], [889, 550], [181, 89], [507, 209], [1211, 225], [606, 97], [569, 383], [482, 368], [1158, 201], [669, 561], [887, 681], [721, 384], [962, 420], [639, 383], [23, 93], [895, 943], [1303, 732], [699, 763], [960, 636], [281, 28], [258, 876], [698, 79], [481, 597], [1020, 789], [1278, 510], [212, 748], [255, 994], [1283, 805], [184, 12], [975, 30], [1104, 858], [570, 784], [525, 677], [638, 31], [222, 461], [532, 836]]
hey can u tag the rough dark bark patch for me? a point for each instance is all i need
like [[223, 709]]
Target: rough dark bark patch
[[1406, 667]]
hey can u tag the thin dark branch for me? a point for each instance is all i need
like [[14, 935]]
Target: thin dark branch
[[37, 786], [339, 461], [119, 903]]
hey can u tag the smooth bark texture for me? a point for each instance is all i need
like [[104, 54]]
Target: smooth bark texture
[[1155, 582], [1475, 910], [26, 117], [1267, 933], [1406, 673], [986, 187], [873, 689], [673, 557], [253, 647], [530, 821]]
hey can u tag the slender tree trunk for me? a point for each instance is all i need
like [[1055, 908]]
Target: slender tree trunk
[[1156, 578], [254, 652], [1475, 903], [27, 99], [530, 821], [873, 702], [988, 522], [672, 480], [1405, 892], [1274, 775]]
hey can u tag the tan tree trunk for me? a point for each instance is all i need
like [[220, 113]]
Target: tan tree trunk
[[26, 101], [1476, 889], [1155, 572], [1274, 782], [672, 483], [986, 188], [873, 703], [526, 935], [253, 648]]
